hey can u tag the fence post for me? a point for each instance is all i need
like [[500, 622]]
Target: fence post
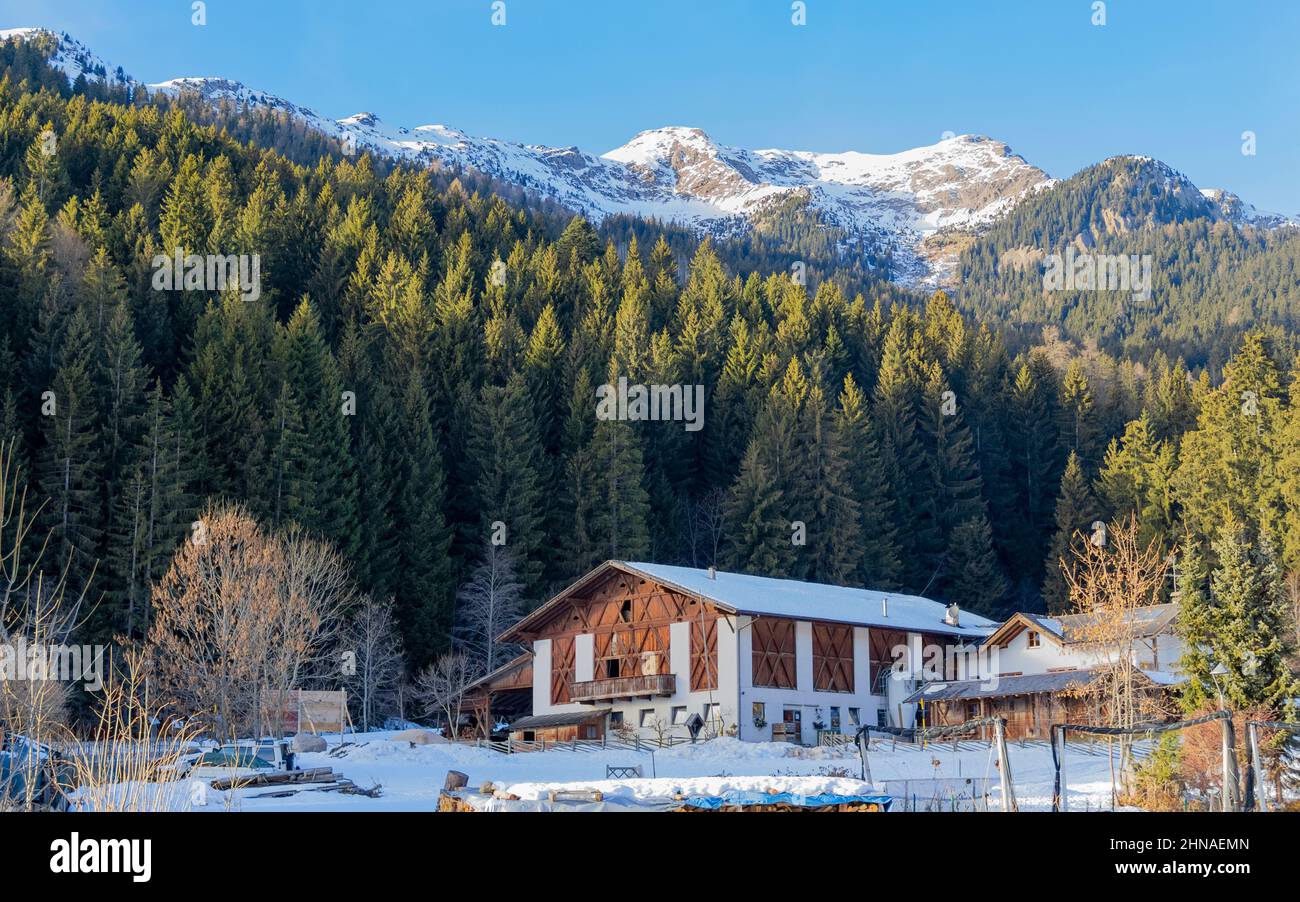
[[1008, 796], [1252, 734], [1062, 788], [1229, 764]]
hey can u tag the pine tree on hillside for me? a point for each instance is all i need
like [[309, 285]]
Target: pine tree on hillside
[[1227, 464], [1079, 428], [620, 522], [895, 415], [1076, 511], [328, 475], [758, 529], [424, 591], [288, 495], [975, 580], [121, 378], [1237, 623], [508, 490], [822, 487], [1032, 449], [69, 464], [372, 428], [878, 564], [953, 484]]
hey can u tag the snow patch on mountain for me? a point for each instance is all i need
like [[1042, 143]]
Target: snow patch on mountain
[[919, 205], [1232, 208]]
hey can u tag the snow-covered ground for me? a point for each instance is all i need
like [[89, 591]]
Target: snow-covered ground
[[412, 776]]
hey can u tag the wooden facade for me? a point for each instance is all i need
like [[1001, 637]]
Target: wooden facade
[[704, 652], [832, 657], [563, 670], [882, 643], [629, 619], [1028, 716], [772, 643]]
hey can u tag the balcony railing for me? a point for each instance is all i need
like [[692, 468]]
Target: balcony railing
[[645, 686]]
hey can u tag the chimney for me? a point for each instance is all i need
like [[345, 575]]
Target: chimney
[[713, 572], [884, 606], [952, 615]]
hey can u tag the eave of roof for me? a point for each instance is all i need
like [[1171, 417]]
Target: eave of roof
[[657, 574], [545, 721]]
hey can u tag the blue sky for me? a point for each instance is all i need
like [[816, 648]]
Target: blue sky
[[1179, 81]]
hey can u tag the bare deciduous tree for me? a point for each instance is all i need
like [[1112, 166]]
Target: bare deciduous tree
[[1109, 584], [704, 526], [241, 615], [441, 688], [38, 610], [490, 602], [375, 647]]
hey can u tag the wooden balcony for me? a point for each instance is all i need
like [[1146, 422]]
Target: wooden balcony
[[646, 686]]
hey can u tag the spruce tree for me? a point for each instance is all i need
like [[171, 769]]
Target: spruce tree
[[758, 529], [878, 563], [70, 465], [1237, 624], [508, 490], [975, 580], [1076, 511]]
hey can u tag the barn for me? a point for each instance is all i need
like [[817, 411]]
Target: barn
[[654, 650]]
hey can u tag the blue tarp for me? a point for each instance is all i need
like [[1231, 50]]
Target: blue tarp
[[744, 799]]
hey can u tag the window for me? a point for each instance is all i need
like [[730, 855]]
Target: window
[[1033, 639], [760, 713], [679, 715], [832, 646], [615, 720], [882, 717], [855, 717], [713, 714], [772, 641], [835, 718], [647, 717]]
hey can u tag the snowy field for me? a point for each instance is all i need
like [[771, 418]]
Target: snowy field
[[411, 777]]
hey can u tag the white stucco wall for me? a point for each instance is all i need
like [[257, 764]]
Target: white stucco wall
[[807, 699], [1161, 652]]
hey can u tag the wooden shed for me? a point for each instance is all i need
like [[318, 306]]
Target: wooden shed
[[582, 725]]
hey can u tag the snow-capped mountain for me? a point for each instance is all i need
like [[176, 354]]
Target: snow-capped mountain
[[917, 204]]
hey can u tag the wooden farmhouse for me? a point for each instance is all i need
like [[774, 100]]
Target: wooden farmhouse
[[654, 650], [1050, 670]]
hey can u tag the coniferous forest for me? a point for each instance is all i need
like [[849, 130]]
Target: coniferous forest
[[420, 368]]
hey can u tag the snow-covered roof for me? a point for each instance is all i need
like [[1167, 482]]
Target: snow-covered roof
[[1023, 684], [768, 597]]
